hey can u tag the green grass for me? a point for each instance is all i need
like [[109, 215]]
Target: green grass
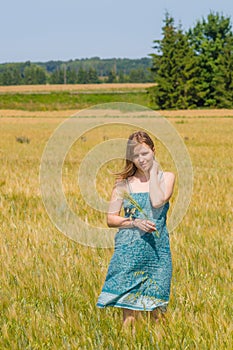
[[67, 100]]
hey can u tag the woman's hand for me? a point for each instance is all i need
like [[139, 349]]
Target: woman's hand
[[155, 167], [145, 225]]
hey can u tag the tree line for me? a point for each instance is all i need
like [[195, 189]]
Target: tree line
[[191, 69], [194, 69], [83, 71]]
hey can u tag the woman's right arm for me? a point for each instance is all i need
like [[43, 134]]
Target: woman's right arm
[[113, 217], [115, 220]]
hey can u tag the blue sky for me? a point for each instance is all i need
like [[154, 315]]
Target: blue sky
[[53, 29]]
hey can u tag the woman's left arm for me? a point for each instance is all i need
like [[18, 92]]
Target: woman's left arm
[[160, 189]]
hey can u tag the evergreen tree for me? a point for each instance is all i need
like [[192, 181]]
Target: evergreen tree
[[175, 70], [226, 64], [194, 69], [163, 65], [211, 41]]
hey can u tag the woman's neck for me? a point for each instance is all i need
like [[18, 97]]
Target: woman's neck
[[143, 177]]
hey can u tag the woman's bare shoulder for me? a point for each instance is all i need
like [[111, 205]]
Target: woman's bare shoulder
[[169, 173], [168, 176], [118, 189], [120, 184]]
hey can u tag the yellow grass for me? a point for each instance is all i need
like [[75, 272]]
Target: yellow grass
[[197, 113], [74, 87], [50, 284]]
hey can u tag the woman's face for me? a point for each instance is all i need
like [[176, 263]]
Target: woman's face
[[143, 157]]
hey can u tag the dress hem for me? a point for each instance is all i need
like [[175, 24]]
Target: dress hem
[[126, 306]]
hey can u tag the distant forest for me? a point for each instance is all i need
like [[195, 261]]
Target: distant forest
[[79, 71]]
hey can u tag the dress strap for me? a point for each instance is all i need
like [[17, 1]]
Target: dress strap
[[129, 186], [161, 175]]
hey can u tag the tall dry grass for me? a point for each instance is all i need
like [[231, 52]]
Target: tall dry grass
[[50, 284], [74, 87]]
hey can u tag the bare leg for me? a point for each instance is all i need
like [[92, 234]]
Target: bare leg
[[158, 315], [159, 318], [129, 318]]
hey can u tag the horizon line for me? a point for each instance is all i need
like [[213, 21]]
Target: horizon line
[[77, 59]]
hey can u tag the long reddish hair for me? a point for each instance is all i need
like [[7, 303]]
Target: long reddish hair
[[133, 140]]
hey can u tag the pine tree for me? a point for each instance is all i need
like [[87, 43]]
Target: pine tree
[[223, 78], [209, 39], [163, 66], [175, 69]]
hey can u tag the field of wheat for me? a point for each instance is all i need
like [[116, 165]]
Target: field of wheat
[[50, 283], [75, 87]]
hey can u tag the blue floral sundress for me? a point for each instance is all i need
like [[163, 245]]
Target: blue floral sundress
[[140, 270]]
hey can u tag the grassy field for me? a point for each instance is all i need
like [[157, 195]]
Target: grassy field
[[63, 97], [50, 284], [64, 100]]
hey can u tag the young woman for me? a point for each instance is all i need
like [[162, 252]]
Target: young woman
[[139, 273]]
